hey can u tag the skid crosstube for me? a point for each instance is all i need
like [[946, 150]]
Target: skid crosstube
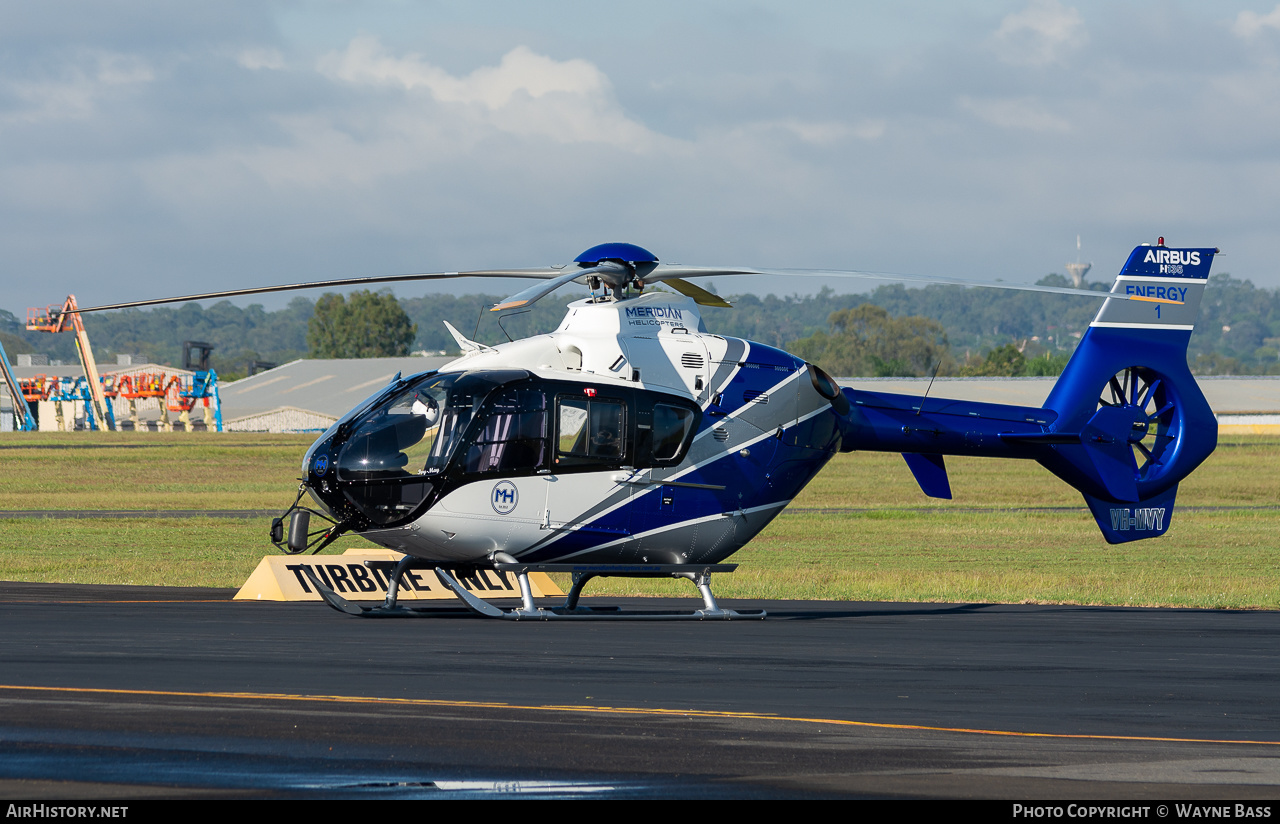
[[698, 574]]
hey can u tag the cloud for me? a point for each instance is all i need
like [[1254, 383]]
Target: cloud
[[260, 58], [521, 70], [825, 132], [1250, 24], [1015, 113], [151, 164], [526, 94], [79, 89], [122, 69], [1041, 34]]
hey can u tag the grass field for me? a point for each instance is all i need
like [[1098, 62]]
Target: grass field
[[861, 531]]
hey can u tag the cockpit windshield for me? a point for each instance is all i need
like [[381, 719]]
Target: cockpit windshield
[[412, 433]]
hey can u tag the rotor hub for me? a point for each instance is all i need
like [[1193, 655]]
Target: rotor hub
[[620, 264]]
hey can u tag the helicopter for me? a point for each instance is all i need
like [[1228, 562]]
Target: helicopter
[[633, 441]]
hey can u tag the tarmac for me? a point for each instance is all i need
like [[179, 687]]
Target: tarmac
[[161, 692]]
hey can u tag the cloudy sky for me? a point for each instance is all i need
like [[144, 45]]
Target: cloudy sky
[[152, 148]]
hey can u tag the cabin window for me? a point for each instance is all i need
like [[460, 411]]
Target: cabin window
[[590, 431], [513, 436], [671, 424]]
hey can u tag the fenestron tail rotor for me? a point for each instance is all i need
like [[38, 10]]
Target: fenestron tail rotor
[[1157, 421]]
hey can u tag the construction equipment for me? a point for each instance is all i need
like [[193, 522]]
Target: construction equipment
[[141, 386], [68, 390], [22, 418], [202, 386], [55, 319]]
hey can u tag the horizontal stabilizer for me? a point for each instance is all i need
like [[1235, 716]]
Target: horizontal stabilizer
[[930, 472], [1106, 441], [1122, 522]]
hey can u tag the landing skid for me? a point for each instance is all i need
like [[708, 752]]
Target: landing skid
[[699, 574]]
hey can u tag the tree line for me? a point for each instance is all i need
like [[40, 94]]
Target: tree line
[[893, 330]]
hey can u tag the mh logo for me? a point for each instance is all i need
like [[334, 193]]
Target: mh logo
[[320, 465], [504, 497]]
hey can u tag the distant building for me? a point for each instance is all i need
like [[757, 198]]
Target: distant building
[[311, 395], [1077, 272]]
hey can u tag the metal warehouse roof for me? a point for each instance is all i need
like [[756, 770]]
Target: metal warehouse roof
[[329, 387]]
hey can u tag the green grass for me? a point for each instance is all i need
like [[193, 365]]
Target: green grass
[[217, 552], [158, 470], [861, 531]]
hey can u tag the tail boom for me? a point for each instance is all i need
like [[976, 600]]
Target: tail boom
[[1124, 424]]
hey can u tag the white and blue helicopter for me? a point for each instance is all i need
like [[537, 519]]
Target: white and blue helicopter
[[632, 441]]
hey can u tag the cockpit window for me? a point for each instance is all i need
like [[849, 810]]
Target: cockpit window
[[412, 433]]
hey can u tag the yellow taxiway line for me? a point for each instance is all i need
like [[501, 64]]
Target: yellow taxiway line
[[599, 710]]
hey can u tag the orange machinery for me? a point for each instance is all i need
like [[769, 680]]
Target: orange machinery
[[61, 319], [176, 393]]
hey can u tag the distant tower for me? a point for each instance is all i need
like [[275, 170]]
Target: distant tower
[[1078, 270]]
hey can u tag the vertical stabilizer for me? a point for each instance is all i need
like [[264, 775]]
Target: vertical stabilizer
[[1142, 420]]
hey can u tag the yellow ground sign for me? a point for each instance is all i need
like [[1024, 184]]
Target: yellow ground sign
[[363, 574], [1248, 429]]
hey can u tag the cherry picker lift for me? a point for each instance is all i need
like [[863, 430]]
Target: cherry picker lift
[[23, 421], [54, 319]]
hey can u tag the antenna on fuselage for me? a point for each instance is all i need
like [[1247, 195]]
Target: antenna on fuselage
[[930, 386], [510, 315]]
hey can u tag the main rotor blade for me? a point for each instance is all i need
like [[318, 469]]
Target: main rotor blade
[[529, 296], [700, 296], [668, 271], [662, 272], [988, 284], [546, 272]]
